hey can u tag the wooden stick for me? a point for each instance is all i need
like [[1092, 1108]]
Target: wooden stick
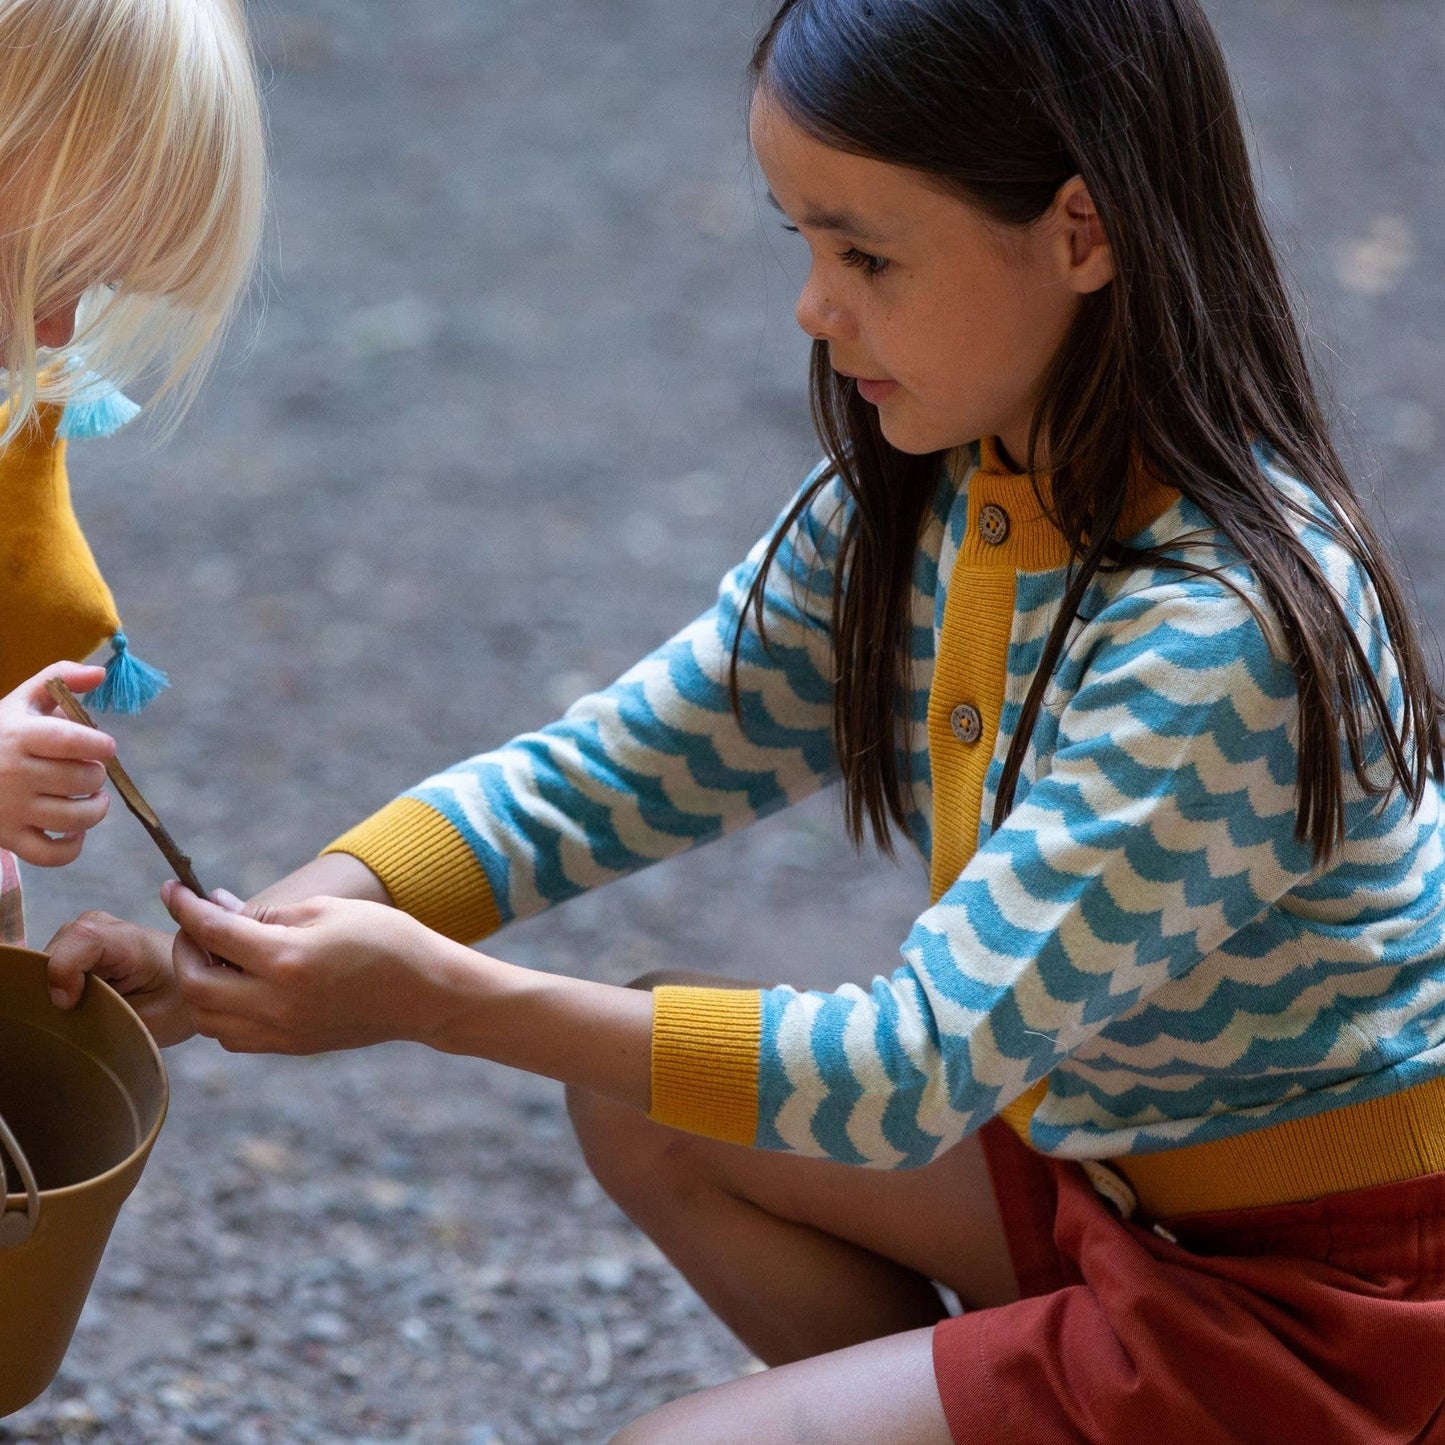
[[69, 704]]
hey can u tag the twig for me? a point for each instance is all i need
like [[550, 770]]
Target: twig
[[69, 704]]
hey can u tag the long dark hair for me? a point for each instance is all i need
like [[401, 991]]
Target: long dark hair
[[1185, 361]]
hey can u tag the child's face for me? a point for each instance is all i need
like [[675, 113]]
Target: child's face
[[55, 328], [948, 319]]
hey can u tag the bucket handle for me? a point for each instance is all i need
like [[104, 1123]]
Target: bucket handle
[[16, 1228]]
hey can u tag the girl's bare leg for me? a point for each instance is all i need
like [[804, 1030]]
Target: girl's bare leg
[[801, 1257], [882, 1392]]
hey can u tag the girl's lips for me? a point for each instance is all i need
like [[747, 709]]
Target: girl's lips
[[874, 391]]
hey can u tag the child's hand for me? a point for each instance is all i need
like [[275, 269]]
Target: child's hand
[[305, 978], [52, 770], [136, 961]]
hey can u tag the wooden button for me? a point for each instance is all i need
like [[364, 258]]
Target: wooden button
[[993, 524], [966, 722]]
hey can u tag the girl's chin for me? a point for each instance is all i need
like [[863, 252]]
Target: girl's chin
[[907, 434]]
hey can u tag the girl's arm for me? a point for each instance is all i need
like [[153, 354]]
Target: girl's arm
[[338, 974], [332, 875], [653, 765], [1163, 829], [649, 767]]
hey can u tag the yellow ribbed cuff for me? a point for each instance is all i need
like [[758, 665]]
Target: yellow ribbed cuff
[[705, 1048], [427, 868]]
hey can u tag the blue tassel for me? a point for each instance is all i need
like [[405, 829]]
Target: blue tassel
[[95, 409], [129, 683]]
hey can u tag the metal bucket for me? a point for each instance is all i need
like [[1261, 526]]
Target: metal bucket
[[83, 1094]]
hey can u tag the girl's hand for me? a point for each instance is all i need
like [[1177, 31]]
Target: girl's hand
[[305, 978], [136, 961], [52, 770]]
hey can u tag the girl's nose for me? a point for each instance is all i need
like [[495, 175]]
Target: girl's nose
[[819, 315], [56, 327]]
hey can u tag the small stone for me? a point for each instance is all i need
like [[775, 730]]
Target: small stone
[[349, 1369], [216, 1336], [608, 1273], [266, 1156], [326, 1328], [178, 1397], [386, 1194], [126, 1280], [76, 1412], [631, 1337]]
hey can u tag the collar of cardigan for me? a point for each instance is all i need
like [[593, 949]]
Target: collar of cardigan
[[1033, 543]]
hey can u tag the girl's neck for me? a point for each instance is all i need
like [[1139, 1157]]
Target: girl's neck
[[1011, 450], [1006, 454]]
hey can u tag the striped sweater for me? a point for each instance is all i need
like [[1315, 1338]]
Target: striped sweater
[[1142, 964]]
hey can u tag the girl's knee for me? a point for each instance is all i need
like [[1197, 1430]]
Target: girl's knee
[[630, 1156]]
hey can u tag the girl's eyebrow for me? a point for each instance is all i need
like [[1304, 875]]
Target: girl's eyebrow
[[831, 221]]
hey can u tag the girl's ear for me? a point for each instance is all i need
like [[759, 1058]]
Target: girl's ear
[[1083, 248]]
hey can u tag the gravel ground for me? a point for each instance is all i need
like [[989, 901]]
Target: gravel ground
[[524, 382]]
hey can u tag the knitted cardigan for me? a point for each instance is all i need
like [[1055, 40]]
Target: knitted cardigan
[[1143, 964]]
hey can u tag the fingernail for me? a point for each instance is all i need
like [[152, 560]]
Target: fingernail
[[166, 889], [58, 998], [228, 901]]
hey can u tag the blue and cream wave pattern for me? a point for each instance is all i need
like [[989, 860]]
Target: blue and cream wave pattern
[[656, 763], [1144, 932]]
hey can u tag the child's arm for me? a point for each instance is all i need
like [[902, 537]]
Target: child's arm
[[654, 764], [340, 974], [52, 770]]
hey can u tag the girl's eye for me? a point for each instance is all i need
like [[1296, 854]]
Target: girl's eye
[[868, 264]]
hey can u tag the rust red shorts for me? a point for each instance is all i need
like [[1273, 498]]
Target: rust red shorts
[[1321, 1323]]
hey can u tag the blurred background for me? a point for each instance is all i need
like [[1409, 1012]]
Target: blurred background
[[520, 383]]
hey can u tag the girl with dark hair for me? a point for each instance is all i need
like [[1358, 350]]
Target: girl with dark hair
[[1082, 602]]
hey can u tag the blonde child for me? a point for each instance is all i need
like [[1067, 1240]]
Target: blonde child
[[130, 204], [1081, 602]]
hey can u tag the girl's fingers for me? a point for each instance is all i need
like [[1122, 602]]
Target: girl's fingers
[[67, 815], [213, 991], [64, 780], [93, 942], [237, 1036], [42, 851], [244, 941], [59, 739], [77, 676]]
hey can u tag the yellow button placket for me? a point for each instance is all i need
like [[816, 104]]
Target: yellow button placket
[[1007, 533]]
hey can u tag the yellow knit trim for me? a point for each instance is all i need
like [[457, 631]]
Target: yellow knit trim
[[1034, 544], [1020, 1113], [706, 1044], [1381, 1141], [427, 868]]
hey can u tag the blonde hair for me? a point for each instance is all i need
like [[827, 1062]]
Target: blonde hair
[[132, 176]]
